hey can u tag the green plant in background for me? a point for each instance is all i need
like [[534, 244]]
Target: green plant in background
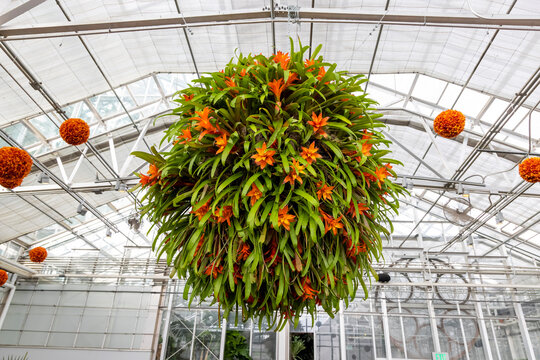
[[275, 195], [297, 346], [236, 346]]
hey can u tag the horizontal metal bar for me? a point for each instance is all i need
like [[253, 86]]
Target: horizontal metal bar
[[324, 14], [509, 152]]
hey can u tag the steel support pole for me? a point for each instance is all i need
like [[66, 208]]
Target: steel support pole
[[167, 323], [529, 350], [342, 343], [282, 342], [9, 298], [386, 326], [433, 323], [223, 340]]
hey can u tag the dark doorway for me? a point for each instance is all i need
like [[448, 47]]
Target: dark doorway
[[302, 346]]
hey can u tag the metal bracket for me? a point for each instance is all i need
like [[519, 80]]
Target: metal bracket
[[293, 14]]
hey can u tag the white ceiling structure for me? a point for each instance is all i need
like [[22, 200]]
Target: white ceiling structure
[[117, 63]]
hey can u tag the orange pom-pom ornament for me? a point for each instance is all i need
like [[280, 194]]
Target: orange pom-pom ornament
[[75, 131], [10, 183], [449, 123], [38, 254], [3, 277], [529, 169], [15, 163]]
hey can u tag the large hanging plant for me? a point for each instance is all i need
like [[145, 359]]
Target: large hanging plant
[[276, 193]]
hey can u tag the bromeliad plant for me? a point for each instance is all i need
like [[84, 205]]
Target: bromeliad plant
[[275, 194]]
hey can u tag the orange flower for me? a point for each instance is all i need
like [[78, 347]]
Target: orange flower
[[449, 123], [366, 148], [3, 277], [186, 135], [367, 135], [243, 72], [309, 63], [213, 269], [321, 74], [284, 218], [221, 142], [295, 173], [282, 59], [203, 123], [292, 78], [310, 154], [264, 157], [277, 87], [74, 131], [362, 208], [188, 97], [226, 214], [230, 81], [309, 292], [243, 252], [325, 191], [381, 173], [38, 254], [318, 122], [152, 178], [199, 245], [332, 224], [529, 169], [255, 194], [202, 210]]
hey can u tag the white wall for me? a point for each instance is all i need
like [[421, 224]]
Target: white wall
[[79, 354]]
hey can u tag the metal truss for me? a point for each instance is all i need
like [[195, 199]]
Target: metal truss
[[273, 15]]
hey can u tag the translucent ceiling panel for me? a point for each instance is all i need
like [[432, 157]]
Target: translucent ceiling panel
[[118, 9], [128, 56], [63, 67], [348, 45], [347, 5], [454, 7], [509, 63], [15, 102]]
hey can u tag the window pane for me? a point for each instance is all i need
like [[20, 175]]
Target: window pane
[[45, 126], [145, 91], [21, 134], [80, 110]]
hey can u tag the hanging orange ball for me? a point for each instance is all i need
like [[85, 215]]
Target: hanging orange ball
[[15, 163], [3, 277], [38, 254], [449, 123], [75, 131], [529, 169], [10, 183]]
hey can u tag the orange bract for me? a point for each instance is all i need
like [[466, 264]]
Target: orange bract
[[38, 254], [295, 173], [277, 87], [529, 170], [309, 292], [318, 122], [203, 123], [362, 208], [152, 178], [325, 191], [75, 131], [255, 194], [187, 97], [221, 143], [201, 211], [310, 154], [264, 157], [213, 269], [366, 148], [224, 214], [308, 63], [15, 163], [449, 123], [186, 135], [284, 218], [282, 59], [332, 224]]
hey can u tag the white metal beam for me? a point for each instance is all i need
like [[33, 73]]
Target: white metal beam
[[19, 10]]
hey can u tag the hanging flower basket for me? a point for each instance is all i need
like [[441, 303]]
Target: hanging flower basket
[[15, 163], [75, 131], [37, 255], [276, 193], [3, 277], [529, 169], [10, 184], [449, 123]]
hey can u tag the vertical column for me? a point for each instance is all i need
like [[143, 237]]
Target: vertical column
[[282, 342], [223, 339], [386, 328], [167, 323], [433, 322], [524, 331], [342, 345]]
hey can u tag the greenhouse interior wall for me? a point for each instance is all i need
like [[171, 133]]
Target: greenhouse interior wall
[[94, 307]]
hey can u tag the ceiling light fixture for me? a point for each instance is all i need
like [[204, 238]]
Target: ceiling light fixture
[[44, 178]]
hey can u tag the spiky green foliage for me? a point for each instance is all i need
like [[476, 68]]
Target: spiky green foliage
[[276, 193]]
